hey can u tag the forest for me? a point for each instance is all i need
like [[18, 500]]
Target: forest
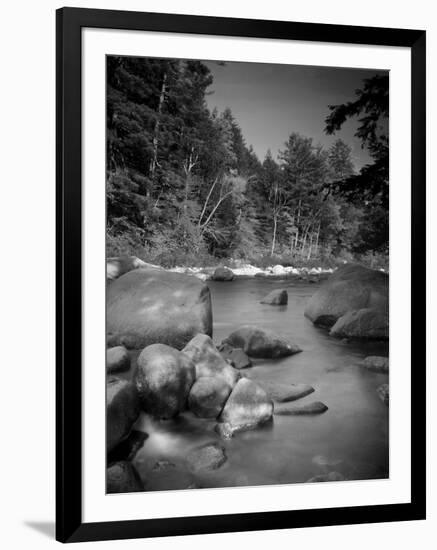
[[185, 189]]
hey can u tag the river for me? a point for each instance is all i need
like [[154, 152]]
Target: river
[[350, 438]]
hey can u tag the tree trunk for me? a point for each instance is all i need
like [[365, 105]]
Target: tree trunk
[[317, 238], [304, 240], [275, 222], [297, 224], [209, 218], [155, 141], [205, 204], [310, 247]]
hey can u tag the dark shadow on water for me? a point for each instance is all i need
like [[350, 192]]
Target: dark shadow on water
[[46, 528]]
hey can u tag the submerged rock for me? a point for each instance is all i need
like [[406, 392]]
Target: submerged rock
[[235, 356], [122, 410], [322, 460], [383, 392], [260, 343], [376, 363], [208, 396], [362, 323], [148, 306], [122, 477], [352, 287], [278, 297], [207, 457], [315, 407], [208, 361], [117, 359], [248, 405], [332, 476], [163, 380], [223, 274]]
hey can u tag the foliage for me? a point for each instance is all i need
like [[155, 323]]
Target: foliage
[[372, 106], [184, 188]]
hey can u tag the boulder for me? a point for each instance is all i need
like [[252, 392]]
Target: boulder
[[278, 297], [163, 379], [247, 406], [383, 392], [283, 393], [223, 274], [279, 270], [260, 343], [376, 363], [149, 306], [117, 359], [206, 457], [122, 410], [362, 323], [332, 476], [235, 357], [116, 267], [122, 477], [208, 396], [315, 407], [351, 287], [208, 361]]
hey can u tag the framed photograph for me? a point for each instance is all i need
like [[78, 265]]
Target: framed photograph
[[240, 275]]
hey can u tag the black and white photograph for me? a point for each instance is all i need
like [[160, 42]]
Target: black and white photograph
[[247, 273]]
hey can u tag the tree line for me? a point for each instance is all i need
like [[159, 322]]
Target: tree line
[[183, 186]]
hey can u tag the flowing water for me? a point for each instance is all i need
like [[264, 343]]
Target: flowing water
[[350, 438]]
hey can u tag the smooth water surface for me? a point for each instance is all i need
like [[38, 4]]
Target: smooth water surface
[[350, 438]]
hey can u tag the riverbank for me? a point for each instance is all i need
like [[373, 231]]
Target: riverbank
[[248, 271]]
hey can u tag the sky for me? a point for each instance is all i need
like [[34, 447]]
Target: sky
[[272, 101]]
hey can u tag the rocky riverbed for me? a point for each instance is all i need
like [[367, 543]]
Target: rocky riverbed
[[240, 388]]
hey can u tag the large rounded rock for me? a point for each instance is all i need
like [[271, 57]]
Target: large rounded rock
[[362, 323], [278, 297], [248, 405], [149, 306], [351, 287], [122, 477], [116, 267], [208, 361], [117, 359], [163, 380], [122, 410], [260, 343], [223, 274], [208, 396]]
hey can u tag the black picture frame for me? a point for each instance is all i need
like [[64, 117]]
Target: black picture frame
[[69, 525]]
